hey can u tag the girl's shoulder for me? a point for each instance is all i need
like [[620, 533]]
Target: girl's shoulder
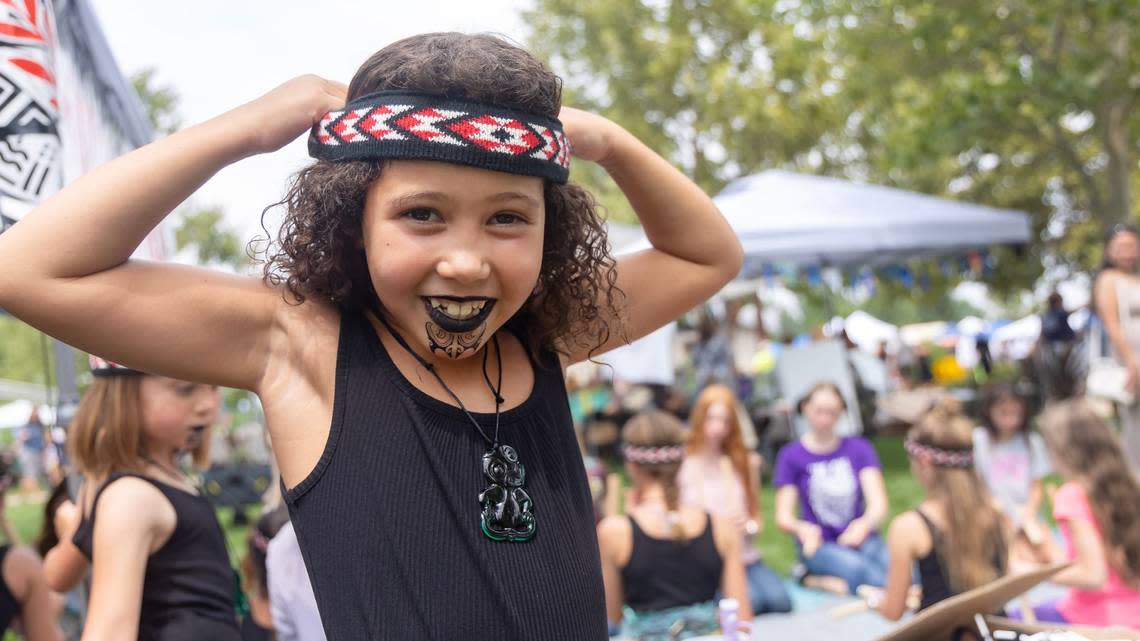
[[981, 435], [615, 539], [133, 504]]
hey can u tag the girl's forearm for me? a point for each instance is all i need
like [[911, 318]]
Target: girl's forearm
[[98, 221], [677, 216]]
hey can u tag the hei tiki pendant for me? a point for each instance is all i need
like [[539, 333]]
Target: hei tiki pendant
[[506, 513]]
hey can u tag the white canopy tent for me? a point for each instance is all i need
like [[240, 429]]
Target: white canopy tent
[[788, 218]]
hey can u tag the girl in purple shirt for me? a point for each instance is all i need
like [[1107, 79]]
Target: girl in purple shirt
[[836, 482]]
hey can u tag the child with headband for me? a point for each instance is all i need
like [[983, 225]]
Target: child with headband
[[955, 537], [434, 273]]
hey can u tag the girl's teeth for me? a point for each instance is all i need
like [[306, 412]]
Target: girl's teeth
[[458, 311]]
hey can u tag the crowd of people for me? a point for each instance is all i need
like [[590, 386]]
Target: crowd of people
[[980, 516], [434, 275]]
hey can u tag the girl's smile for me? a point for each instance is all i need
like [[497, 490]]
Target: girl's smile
[[453, 251]]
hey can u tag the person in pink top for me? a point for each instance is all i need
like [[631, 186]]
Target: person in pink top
[[1098, 511], [721, 476]]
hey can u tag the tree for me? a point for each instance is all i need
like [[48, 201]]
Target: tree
[[203, 230], [1028, 104], [161, 103]]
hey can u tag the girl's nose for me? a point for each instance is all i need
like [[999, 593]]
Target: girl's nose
[[465, 266]]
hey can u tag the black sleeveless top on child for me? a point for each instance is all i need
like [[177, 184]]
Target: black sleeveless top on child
[[664, 573], [932, 575], [9, 606], [188, 588], [388, 521]]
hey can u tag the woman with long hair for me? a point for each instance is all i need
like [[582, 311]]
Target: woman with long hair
[[721, 476], [954, 537], [835, 483], [1098, 512], [1116, 301], [666, 560]]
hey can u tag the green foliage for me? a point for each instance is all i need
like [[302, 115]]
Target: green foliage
[[1026, 104], [204, 231], [161, 103], [22, 352]]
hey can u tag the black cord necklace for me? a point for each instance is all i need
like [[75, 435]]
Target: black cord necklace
[[506, 512]]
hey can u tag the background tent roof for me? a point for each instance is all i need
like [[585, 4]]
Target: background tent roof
[[789, 218]]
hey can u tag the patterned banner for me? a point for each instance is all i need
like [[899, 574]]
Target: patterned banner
[[29, 109]]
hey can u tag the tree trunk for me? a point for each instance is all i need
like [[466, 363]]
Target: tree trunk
[[1116, 144]]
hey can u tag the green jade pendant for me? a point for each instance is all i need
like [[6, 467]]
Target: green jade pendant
[[506, 513]]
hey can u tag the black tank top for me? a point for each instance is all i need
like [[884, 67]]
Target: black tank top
[[388, 521], [9, 606], [188, 588], [932, 573], [664, 573]]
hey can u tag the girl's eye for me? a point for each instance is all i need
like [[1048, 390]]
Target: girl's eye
[[506, 218], [421, 215]]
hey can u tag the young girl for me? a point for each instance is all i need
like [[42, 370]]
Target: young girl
[[722, 477], [24, 595], [434, 274], [158, 556], [1012, 460], [258, 624], [954, 537], [837, 485], [664, 559], [1098, 511]]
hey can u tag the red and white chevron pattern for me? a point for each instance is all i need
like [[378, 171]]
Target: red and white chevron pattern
[[422, 123], [457, 128]]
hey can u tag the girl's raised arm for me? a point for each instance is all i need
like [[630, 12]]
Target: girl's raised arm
[[66, 268], [695, 252]]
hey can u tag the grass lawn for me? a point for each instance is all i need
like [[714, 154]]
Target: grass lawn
[[903, 491]]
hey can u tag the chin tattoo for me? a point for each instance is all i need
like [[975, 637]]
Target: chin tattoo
[[454, 345]]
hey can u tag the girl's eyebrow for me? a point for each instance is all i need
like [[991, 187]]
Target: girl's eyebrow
[[513, 195], [415, 197]]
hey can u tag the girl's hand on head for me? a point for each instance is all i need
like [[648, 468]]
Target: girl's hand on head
[[589, 134], [277, 118]]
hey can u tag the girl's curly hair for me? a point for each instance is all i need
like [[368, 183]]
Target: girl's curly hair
[[318, 252]]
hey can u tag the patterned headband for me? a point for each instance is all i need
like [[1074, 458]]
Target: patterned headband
[[104, 367], [959, 459], [413, 126], [653, 455]]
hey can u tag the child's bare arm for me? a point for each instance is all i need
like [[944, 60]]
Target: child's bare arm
[[695, 252], [65, 268], [900, 546]]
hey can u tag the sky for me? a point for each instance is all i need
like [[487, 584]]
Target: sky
[[218, 54]]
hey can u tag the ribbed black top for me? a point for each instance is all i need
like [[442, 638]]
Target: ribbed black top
[[933, 577], [188, 589], [388, 521], [665, 573], [9, 606]]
